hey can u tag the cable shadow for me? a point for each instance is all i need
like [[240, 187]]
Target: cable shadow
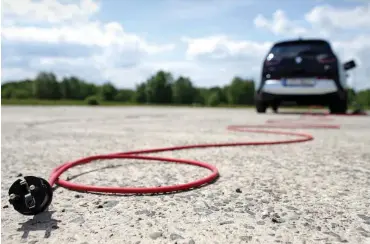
[[317, 113], [301, 113], [128, 194], [88, 172], [42, 221]]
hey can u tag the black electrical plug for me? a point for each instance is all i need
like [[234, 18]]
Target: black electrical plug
[[31, 195]]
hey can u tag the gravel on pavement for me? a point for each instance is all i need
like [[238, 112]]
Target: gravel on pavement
[[312, 192]]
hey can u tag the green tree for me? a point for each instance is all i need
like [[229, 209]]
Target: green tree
[[17, 90], [140, 93], [240, 91], [21, 94], [351, 96], [363, 97], [159, 88], [201, 96], [66, 89], [214, 99], [220, 93], [108, 91], [46, 86], [6, 92], [124, 95], [89, 90], [183, 91], [73, 84]]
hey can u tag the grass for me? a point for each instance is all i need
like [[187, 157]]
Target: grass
[[33, 102], [54, 102]]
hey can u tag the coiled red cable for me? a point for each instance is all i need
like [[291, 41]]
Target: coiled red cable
[[272, 124]]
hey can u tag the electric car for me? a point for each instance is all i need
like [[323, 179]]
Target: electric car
[[303, 72]]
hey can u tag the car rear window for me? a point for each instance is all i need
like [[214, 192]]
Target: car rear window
[[300, 48]]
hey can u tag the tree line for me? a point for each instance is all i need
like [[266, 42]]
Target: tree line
[[160, 88]]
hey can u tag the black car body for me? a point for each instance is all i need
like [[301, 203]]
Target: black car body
[[303, 72]]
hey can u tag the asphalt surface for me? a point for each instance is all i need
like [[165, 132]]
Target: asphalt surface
[[312, 192]]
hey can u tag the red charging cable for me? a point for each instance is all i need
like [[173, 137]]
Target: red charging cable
[[285, 124]]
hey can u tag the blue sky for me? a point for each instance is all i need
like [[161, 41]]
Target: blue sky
[[210, 41]]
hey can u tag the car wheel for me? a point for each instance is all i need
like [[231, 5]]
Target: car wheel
[[275, 108], [261, 107], [339, 106]]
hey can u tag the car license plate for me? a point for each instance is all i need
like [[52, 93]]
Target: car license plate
[[299, 82]]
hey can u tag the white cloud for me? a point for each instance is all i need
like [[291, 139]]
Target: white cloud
[[49, 35], [223, 48], [90, 34], [65, 38], [357, 48], [279, 24], [51, 11], [329, 17], [354, 45], [323, 21], [198, 9], [222, 58]]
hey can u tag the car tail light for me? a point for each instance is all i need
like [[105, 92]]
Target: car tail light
[[325, 59], [271, 76], [272, 60]]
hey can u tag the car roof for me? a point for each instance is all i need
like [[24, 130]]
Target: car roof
[[287, 42]]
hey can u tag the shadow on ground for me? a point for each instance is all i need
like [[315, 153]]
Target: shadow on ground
[[127, 195], [42, 221]]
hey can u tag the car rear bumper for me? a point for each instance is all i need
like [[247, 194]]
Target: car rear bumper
[[321, 87], [320, 99]]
